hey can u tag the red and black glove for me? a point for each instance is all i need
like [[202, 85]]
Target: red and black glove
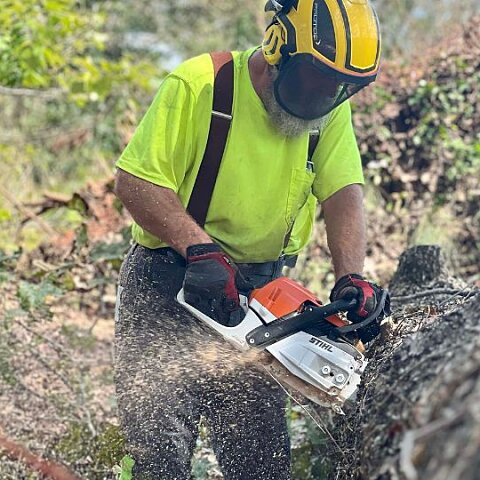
[[368, 295], [212, 282]]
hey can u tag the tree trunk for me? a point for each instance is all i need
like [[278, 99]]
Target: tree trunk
[[417, 415], [421, 268]]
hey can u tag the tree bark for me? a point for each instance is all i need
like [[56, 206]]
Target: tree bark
[[417, 414], [421, 268]]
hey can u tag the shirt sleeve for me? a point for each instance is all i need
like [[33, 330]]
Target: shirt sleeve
[[160, 150], [337, 158]]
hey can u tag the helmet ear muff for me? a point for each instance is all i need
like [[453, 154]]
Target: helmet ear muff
[[273, 41]]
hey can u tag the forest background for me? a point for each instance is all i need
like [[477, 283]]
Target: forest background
[[75, 80]]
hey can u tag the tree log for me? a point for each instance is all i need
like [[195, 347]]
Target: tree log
[[417, 414], [421, 268]]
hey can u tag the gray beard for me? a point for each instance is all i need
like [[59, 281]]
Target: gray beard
[[285, 123]]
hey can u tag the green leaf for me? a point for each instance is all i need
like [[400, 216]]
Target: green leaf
[[5, 215], [109, 251], [126, 464], [7, 261], [34, 296], [7, 372]]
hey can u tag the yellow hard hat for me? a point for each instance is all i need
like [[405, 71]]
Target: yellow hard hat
[[325, 50]]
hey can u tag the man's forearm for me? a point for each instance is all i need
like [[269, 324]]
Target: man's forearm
[[346, 233], [159, 211]]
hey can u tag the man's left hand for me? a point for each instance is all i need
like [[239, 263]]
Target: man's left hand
[[212, 284]]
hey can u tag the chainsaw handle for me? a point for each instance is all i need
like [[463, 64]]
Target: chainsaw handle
[[367, 321], [265, 335]]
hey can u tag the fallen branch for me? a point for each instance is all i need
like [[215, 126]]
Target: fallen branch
[[435, 291], [30, 92], [26, 212], [47, 468], [407, 445]]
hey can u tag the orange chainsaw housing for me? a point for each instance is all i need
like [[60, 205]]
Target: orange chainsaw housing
[[283, 296]]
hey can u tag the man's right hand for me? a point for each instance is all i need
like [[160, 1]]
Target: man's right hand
[[368, 295], [211, 284]]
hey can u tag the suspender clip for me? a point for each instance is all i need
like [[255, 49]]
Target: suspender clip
[[225, 116]]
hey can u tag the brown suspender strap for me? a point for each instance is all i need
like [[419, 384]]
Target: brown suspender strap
[[217, 137], [312, 144]]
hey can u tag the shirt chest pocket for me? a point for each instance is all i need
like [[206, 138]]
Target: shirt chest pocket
[[300, 188]]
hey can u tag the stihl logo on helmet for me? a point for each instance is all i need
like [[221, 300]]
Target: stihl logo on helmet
[[331, 49]]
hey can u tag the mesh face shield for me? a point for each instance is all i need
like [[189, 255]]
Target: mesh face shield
[[309, 89]]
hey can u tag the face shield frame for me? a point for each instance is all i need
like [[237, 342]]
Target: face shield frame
[[323, 89]]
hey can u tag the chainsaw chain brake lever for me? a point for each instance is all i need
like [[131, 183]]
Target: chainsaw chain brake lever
[[266, 335]]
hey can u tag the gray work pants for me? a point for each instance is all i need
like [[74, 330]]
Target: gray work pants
[[170, 370]]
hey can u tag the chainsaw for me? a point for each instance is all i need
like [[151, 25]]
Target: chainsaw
[[304, 345]]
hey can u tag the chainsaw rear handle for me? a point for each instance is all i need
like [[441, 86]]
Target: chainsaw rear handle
[[266, 335]]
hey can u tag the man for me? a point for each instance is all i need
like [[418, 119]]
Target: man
[[171, 371]]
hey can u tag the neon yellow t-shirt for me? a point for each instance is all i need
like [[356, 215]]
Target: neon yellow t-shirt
[[263, 184]]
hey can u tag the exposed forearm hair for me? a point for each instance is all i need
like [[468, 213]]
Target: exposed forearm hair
[[346, 232], [159, 211]]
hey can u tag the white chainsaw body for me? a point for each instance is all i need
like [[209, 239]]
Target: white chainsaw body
[[333, 367]]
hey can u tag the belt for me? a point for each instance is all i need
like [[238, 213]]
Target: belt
[[271, 269]]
